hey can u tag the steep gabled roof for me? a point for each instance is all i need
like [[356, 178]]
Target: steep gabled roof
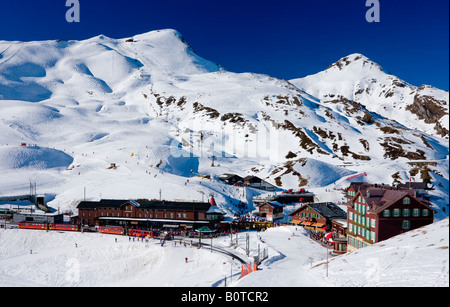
[[273, 204], [380, 199], [328, 210]]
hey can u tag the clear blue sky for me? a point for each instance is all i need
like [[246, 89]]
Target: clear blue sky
[[285, 39]]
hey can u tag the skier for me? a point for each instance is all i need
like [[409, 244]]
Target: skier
[[186, 259]]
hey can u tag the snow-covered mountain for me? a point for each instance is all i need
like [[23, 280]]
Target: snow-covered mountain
[[355, 78], [162, 114]]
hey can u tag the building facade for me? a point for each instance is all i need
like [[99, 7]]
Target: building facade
[[317, 216], [148, 213], [377, 214], [271, 211]]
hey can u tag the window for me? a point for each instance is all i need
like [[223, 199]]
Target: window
[[406, 212], [416, 212], [386, 213], [350, 216], [396, 212], [425, 212], [406, 224], [406, 201], [373, 222]]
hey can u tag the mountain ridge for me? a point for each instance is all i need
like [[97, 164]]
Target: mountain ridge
[[101, 99]]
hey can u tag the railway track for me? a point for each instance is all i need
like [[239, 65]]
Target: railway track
[[222, 251]]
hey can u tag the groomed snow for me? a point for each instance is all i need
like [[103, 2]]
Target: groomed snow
[[415, 259]]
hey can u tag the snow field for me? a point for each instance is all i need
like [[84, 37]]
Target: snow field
[[92, 259], [414, 259]]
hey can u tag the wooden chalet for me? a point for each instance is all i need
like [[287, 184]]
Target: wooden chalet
[[317, 216], [271, 211], [376, 214], [258, 183], [232, 179]]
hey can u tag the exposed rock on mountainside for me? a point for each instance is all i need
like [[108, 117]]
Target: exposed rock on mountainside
[[101, 99]]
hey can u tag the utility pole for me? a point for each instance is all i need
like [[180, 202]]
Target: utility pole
[[247, 244], [231, 234]]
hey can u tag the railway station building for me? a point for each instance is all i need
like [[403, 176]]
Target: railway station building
[[147, 214]]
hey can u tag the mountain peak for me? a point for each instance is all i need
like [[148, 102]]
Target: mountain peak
[[355, 60], [167, 33]]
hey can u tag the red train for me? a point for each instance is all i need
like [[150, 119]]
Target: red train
[[140, 233], [120, 231], [44, 226], [102, 229], [111, 229]]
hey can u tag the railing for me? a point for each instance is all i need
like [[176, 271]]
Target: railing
[[264, 254]]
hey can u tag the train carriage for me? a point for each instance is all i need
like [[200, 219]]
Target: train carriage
[[111, 230], [140, 233], [64, 227], [44, 226], [32, 225]]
